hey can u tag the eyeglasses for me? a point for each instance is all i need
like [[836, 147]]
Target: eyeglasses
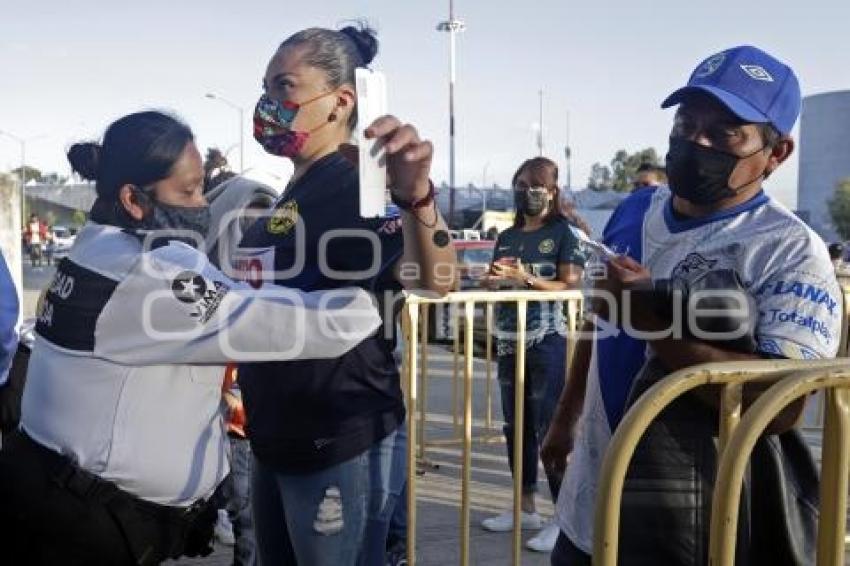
[[536, 189]]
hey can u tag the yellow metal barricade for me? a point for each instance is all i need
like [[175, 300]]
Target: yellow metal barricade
[[843, 352], [730, 375], [835, 465], [415, 387], [844, 343]]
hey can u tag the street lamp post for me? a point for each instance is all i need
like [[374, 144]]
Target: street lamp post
[[22, 171], [453, 27], [540, 131], [241, 111], [483, 200], [484, 187], [568, 154]]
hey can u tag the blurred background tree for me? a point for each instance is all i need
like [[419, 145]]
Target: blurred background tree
[[839, 209]]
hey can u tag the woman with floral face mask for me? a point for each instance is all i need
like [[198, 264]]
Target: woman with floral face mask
[[329, 444], [539, 252]]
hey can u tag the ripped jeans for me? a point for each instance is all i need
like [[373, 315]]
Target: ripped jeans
[[334, 517]]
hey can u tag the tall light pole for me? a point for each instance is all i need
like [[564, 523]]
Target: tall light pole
[[453, 27], [241, 111], [22, 171], [484, 188], [568, 153], [540, 131]]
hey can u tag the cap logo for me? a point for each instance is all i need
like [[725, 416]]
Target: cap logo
[[757, 72], [710, 65]]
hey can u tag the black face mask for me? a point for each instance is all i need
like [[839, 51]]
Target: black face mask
[[700, 174], [532, 203], [170, 218]]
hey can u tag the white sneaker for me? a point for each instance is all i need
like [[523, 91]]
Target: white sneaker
[[223, 530], [505, 522], [544, 541]]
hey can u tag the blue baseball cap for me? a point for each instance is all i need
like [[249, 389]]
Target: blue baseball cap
[[751, 84]]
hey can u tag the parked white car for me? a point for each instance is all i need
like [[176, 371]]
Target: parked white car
[[63, 239]]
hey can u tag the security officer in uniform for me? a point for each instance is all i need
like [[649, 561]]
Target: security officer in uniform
[[121, 437]]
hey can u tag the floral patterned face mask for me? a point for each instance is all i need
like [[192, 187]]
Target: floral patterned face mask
[[273, 125]]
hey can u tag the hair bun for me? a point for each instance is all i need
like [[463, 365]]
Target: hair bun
[[364, 38], [85, 159]]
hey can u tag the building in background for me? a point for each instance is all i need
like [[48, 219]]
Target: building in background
[[67, 205], [824, 157]]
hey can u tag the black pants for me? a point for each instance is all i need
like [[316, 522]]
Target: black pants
[[544, 380], [46, 520], [566, 553], [43, 524]]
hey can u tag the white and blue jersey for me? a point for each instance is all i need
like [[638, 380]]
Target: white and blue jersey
[[785, 267], [614, 362]]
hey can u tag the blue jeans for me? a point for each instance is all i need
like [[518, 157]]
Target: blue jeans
[[387, 500], [333, 517], [397, 535], [544, 380], [239, 502]]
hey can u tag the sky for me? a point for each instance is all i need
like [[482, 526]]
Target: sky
[[67, 69]]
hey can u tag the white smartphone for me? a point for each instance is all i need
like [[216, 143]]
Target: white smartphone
[[371, 104]]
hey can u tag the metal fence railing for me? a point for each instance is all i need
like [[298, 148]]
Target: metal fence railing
[[791, 380], [731, 376], [788, 380], [415, 366], [835, 465]]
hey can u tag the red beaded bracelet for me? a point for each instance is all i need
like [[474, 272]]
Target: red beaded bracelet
[[413, 205]]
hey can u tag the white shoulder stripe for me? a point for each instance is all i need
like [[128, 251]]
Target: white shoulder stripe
[[106, 250]]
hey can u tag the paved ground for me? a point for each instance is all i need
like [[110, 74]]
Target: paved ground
[[35, 279]]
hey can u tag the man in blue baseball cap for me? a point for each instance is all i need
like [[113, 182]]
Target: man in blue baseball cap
[[732, 129], [714, 229]]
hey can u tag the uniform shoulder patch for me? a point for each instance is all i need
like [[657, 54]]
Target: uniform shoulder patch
[[283, 218], [203, 297]]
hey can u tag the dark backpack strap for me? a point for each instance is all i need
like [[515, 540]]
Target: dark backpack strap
[[785, 501]]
